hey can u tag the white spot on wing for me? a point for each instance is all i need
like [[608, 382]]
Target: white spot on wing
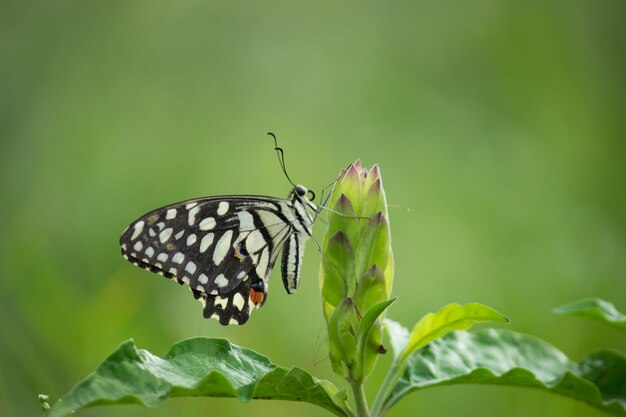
[[191, 205], [233, 321], [207, 224], [137, 229], [171, 214], [191, 239], [206, 242], [173, 271], [149, 251], [221, 281], [191, 267], [203, 279], [178, 258], [241, 274], [255, 241], [191, 217], [221, 247], [165, 234], [246, 222], [238, 301], [179, 234], [222, 208], [162, 257], [138, 246]]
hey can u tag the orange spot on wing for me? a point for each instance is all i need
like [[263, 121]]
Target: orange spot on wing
[[256, 297]]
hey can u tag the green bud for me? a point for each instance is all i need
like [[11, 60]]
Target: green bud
[[43, 400], [357, 266], [334, 281], [371, 289], [342, 338]]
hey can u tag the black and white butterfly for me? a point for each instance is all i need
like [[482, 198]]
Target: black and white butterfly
[[225, 247]]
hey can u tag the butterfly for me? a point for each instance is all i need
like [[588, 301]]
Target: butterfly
[[225, 247]]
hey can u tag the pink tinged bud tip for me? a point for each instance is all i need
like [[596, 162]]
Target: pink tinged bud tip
[[352, 172]]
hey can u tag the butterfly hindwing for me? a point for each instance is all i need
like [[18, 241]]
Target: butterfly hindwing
[[291, 264]]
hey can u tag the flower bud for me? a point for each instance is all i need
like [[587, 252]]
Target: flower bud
[[357, 267]]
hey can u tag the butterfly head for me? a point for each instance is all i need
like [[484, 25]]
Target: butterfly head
[[304, 196], [302, 193]]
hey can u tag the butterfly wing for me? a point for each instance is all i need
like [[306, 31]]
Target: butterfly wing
[[224, 248], [291, 265]]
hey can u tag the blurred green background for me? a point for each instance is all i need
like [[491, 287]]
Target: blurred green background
[[501, 125]]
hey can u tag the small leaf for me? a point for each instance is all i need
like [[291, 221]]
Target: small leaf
[[594, 308], [503, 357], [367, 352], [195, 367], [452, 317]]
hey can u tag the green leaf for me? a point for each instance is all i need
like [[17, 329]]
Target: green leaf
[[594, 308], [368, 346], [452, 317], [503, 357], [195, 367]]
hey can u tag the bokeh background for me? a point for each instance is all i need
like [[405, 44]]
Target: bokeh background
[[500, 125]]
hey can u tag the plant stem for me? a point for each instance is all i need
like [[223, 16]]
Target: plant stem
[[359, 399], [385, 389]]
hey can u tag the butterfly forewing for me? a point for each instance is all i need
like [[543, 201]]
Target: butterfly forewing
[[224, 248]]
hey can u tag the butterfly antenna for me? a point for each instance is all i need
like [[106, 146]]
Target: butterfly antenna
[[281, 157]]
